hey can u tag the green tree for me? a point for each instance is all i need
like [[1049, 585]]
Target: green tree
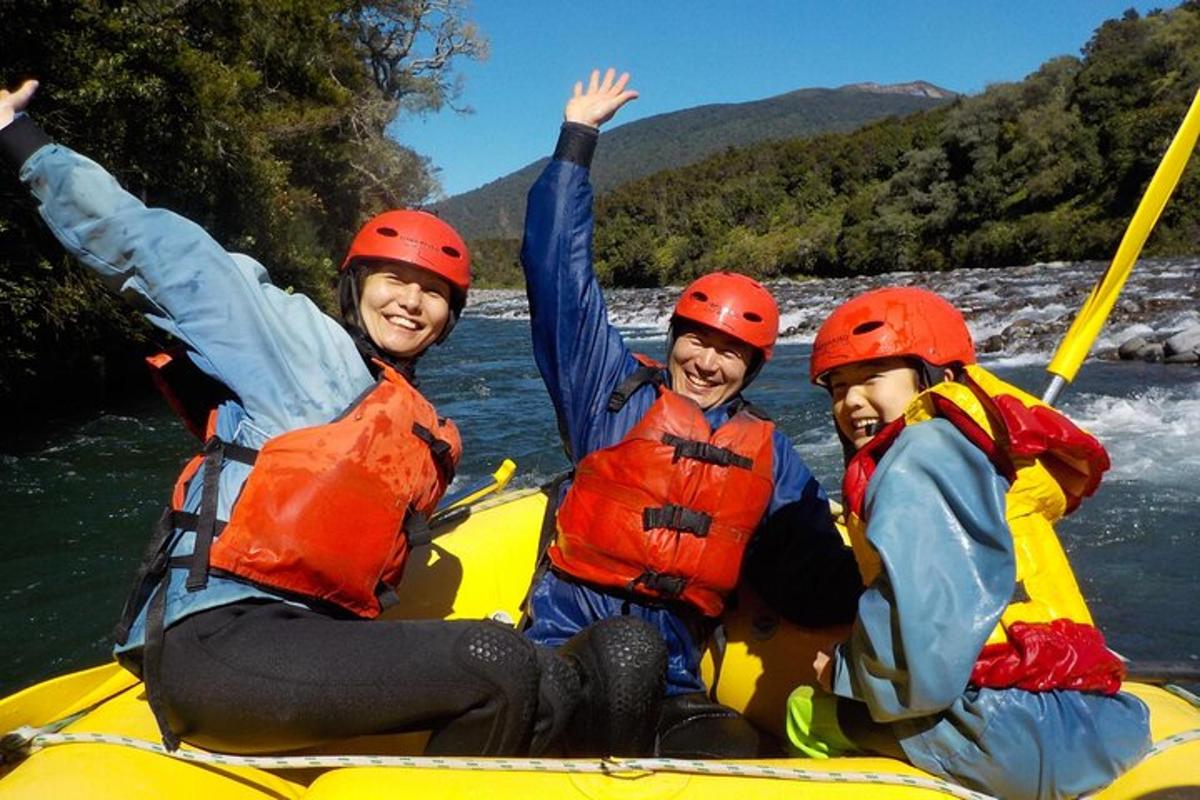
[[263, 120]]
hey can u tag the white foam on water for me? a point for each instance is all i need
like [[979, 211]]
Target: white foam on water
[[1018, 360], [1150, 436]]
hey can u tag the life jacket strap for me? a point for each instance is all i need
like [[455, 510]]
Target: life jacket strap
[[706, 451], [443, 455], [744, 405], [636, 380], [152, 654], [216, 452], [546, 534], [149, 574], [416, 528], [667, 585], [187, 521], [386, 595], [677, 518]]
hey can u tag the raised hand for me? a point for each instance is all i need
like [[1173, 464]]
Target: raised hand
[[11, 103], [601, 100]]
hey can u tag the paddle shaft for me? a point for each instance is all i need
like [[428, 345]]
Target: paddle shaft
[[1078, 341], [1160, 673]]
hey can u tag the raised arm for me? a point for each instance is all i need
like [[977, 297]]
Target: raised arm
[[580, 354], [276, 351]]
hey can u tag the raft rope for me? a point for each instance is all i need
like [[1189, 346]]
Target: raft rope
[[34, 739]]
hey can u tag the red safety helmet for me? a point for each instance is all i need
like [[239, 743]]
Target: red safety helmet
[[418, 238], [890, 323], [734, 304]]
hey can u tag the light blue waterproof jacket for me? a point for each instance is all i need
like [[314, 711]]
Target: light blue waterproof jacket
[[935, 512], [288, 364]]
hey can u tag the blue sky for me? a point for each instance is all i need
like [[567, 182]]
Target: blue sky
[[684, 54]]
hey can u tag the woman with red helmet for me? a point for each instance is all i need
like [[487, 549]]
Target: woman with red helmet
[[973, 654], [680, 484], [252, 619]]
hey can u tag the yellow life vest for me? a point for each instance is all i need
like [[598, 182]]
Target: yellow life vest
[[1044, 488]]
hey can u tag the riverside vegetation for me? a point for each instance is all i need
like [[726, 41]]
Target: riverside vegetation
[[262, 120]]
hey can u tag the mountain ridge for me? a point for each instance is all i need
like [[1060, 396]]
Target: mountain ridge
[[685, 136]]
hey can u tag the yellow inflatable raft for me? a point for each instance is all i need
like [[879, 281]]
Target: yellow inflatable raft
[[90, 734]]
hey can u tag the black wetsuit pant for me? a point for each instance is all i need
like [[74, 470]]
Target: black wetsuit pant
[[256, 677]]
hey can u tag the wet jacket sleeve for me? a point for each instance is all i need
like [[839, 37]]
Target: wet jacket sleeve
[[287, 362], [581, 356], [935, 512], [797, 560]]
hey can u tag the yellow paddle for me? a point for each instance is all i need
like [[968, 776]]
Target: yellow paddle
[[1082, 334], [473, 494]]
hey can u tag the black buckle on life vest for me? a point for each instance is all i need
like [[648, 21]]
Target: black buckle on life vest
[[665, 585], [443, 456], [677, 518], [705, 451], [638, 378]]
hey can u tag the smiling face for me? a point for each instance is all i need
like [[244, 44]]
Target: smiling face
[[404, 309], [708, 366], [868, 395]]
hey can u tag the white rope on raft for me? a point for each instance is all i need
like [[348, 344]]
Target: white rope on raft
[[616, 767], [37, 740]]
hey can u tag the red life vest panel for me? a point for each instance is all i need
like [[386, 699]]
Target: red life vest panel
[[325, 511], [667, 512]]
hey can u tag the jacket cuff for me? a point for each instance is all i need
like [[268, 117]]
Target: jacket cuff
[[20, 139], [576, 143]]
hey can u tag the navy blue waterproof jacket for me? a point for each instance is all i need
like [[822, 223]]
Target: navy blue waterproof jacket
[[796, 560]]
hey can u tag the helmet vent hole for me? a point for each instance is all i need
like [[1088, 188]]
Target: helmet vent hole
[[451, 251], [867, 327], [386, 231], [750, 315], [701, 296]]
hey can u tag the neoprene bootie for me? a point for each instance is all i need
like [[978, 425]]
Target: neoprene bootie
[[692, 726]]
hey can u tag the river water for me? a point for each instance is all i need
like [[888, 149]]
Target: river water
[[77, 503]]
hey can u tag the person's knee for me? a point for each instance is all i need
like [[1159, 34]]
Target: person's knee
[[622, 664], [507, 664], [559, 693]]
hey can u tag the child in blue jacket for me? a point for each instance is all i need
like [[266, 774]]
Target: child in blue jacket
[[973, 654]]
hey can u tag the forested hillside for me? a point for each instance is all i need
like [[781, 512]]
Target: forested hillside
[[263, 120], [684, 137], [1048, 168]]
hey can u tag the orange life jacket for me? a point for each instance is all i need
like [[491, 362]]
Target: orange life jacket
[[325, 510], [666, 513]]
